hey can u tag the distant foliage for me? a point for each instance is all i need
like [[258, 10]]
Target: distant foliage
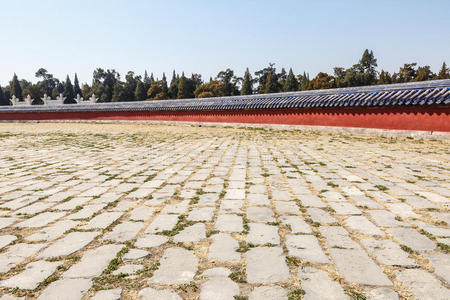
[[108, 86]]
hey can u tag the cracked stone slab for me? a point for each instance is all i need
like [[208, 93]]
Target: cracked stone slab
[[318, 285], [260, 214], [177, 266], [296, 224], [388, 252], [34, 273], [357, 267], [16, 254], [263, 234], [266, 265], [422, 284]]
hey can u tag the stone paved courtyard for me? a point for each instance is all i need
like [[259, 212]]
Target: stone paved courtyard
[[104, 211]]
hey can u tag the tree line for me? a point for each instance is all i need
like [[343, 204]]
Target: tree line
[[108, 86]]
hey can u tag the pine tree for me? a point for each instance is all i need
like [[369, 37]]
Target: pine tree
[[146, 81], [173, 88], [140, 93], [384, 78], [272, 85], [290, 83], [76, 86], [15, 87], [444, 73], [68, 91], [247, 84]]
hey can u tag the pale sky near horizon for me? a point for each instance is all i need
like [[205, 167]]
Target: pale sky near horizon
[[206, 37]]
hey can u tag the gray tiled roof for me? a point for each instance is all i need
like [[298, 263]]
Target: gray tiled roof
[[427, 93]]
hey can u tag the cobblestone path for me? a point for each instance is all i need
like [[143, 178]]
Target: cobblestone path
[[114, 211]]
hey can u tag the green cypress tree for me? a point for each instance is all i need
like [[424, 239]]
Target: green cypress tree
[[164, 88], [3, 100], [173, 88], [140, 93], [68, 91], [444, 73], [183, 88], [118, 94], [15, 87], [291, 83], [271, 85], [76, 86], [247, 84]]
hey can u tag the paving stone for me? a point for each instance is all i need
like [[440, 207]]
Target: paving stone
[[403, 210], [5, 222], [67, 289], [344, 208], [320, 216], [102, 220], [220, 288], [86, 212], [385, 218], [194, 233], [142, 213], [364, 226], [216, 272], [71, 204], [260, 214], [333, 196], [177, 266], [150, 241], [151, 294], [16, 254], [411, 238], [381, 294], [33, 208], [258, 199], [229, 222], [124, 231], [266, 265], [179, 208], [286, 207], [356, 267], [223, 248], [114, 294], [388, 252], [6, 240], [297, 224], [422, 284], [441, 264], [312, 201], [93, 262], [134, 254], [231, 206], [261, 234], [52, 232], [201, 214], [268, 293], [306, 247], [69, 244], [128, 269], [40, 220], [434, 230], [9, 297], [208, 199], [34, 273], [318, 285], [162, 223]]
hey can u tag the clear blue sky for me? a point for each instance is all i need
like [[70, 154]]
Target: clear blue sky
[[208, 36]]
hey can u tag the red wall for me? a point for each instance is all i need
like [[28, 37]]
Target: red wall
[[404, 118]]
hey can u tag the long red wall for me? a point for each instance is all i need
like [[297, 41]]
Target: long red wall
[[405, 118]]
